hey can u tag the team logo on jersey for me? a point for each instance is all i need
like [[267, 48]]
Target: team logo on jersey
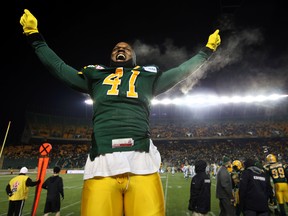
[[99, 67], [91, 66], [150, 69], [15, 186]]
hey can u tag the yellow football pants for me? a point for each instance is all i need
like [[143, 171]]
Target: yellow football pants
[[123, 195], [281, 191]]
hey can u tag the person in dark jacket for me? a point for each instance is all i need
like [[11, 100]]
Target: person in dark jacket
[[200, 190], [255, 190], [224, 190], [54, 187]]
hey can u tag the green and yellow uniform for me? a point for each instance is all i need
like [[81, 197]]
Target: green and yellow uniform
[[122, 167], [277, 172], [121, 173], [121, 96]]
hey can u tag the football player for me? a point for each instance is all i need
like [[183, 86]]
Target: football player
[[237, 168], [121, 172], [276, 170]]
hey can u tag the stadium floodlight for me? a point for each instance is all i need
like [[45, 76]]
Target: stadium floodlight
[[209, 100]]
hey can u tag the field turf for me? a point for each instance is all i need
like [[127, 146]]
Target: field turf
[[176, 190]]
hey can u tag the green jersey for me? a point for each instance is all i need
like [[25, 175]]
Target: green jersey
[[276, 172], [121, 107], [121, 96]]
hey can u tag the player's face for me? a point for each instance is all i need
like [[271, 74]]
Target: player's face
[[122, 52]]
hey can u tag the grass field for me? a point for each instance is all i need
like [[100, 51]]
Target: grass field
[[176, 190]]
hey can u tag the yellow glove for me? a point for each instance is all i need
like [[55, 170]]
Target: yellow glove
[[29, 23], [214, 41]]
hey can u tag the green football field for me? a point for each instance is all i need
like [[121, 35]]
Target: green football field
[[176, 191]]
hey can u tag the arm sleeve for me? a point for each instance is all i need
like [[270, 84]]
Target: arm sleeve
[[8, 190], [30, 183], [191, 204], [285, 166], [55, 65], [61, 188], [45, 185], [269, 189], [243, 189], [171, 77], [226, 183]]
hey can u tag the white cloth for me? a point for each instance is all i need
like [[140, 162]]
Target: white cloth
[[123, 162]]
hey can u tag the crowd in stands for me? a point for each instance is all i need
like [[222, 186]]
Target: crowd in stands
[[62, 155], [224, 128], [68, 128], [178, 153], [179, 141], [174, 153]]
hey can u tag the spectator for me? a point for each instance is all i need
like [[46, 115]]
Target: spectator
[[200, 191], [54, 187], [17, 190]]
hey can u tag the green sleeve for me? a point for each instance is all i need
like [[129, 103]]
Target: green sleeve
[[55, 65], [175, 75]]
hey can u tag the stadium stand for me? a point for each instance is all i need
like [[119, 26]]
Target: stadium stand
[[179, 140]]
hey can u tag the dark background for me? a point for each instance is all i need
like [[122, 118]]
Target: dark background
[[252, 58]]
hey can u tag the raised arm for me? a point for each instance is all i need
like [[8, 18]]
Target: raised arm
[[55, 65], [175, 75]]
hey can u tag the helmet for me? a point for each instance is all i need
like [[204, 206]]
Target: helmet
[[271, 158], [237, 164]]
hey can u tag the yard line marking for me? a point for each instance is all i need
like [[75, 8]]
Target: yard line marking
[[70, 205], [71, 187], [28, 213], [166, 188]]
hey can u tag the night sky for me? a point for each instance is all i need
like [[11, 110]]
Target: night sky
[[252, 58]]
